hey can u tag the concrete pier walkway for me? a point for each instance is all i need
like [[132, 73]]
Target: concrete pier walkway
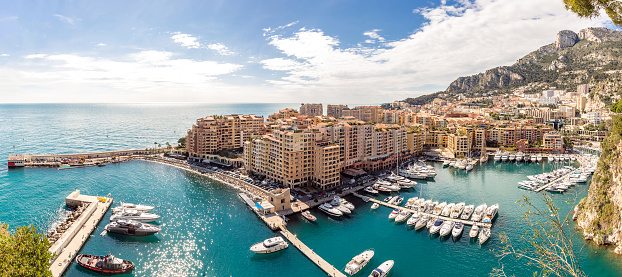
[[315, 258], [465, 222], [73, 239]]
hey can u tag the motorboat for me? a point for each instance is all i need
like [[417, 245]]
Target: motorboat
[[107, 265], [375, 206], [539, 157], [534, 158], [411, 202], [370, 190], [306, 214], [446, 163], [437, 226], [505, 156], [466, 213], [527, 158], [497, 156], [452, 164], [457, 230], [381, 188], [336, 204], [327, 208], [474, 231], [134, 215], [490, 214], [447, 210], [439, 208], [519, 156], [138, 207], [344, 202], [414, 218], [446, 228], [383, 270], [457, 210], [359, 262], [406, 184], [478, 213], [422, 222], [431, 222], [270, 245], [131, 228], [469, 167], [484, 235], [398, 201], [394, 214], [512, 157], [388, 198], [402, 216]]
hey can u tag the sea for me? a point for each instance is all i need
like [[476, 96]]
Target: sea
[[207, 230]]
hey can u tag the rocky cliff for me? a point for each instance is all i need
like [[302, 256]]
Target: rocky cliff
[[599, 214]]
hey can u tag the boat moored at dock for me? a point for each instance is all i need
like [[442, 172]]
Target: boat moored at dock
[[383, 270], [131, 228], [107, 265], [269, 245], [359, 262]]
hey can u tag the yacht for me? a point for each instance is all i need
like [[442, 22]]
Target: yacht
[[457, 210], [469, 167], [452, 164], [504, 156], [270, 245], [519, 156], [478, 213], [344, 202], [474, 231], [134, 215], [375, 206], [497, 156], [406, 184], [131, 228], [448, 225], [447, 210], [527, 158], [437, 226], [512, 157], [551, 158], [370, 190], [431, 222], [539, 157], [484, 235], [337, 205], [306, 214], [457, 231], [402, 216], [394, 213], [446, 163], [411, 202], [490, 214], [359, 262], [327, 208], [462, 165], [468, 210], [383, 270], [534, 158], [422, 222], [439, 208], [413, 219], [138, 207]]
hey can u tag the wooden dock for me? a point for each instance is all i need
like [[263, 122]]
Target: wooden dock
[[465, 222], [554, 181], [315, 258]]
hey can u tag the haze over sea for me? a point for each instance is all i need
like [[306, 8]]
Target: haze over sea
[[207, 230]]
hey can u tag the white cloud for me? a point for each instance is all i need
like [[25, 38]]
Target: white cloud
[[186, 40], [4, 55], [457, 40], [270, 30], [66, 19], [373, 34], [221, 49], [35, 56], [102, 44]]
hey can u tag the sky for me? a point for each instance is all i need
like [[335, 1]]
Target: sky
[[203, 51]]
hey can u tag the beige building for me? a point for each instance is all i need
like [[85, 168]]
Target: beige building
[[459, 144], [311, 109], [553, 142], [336, 111], [416, 141], [215, 133], [365, 113]]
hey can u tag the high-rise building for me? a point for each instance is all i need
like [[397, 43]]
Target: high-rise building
[[365, 113], [553, 142], [581, 102], [335, 111], [215, 133], [583, 89], [311, 109]]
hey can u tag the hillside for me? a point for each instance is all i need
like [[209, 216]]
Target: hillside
[[592, 56]]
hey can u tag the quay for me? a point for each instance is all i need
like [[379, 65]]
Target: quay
[[465, 222], [314, 257], [67, 246]]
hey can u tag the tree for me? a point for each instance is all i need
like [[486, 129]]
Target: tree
[[182, 141], [548, 248], [593, 8], [24, 252]]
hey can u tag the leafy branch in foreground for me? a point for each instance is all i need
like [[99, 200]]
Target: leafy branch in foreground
[[548, 247], [24, 252]]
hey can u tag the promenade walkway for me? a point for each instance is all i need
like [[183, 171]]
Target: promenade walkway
[[315, 258], [465, 222]]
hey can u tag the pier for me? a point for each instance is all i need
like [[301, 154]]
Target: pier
[[465, 222], [67, 246], [314, 257]]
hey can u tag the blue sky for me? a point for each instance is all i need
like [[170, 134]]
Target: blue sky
[[262, 51]]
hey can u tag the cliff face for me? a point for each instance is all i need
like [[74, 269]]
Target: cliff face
[[599, 214]]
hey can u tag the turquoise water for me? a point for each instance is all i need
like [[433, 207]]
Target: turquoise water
[[206, 230]]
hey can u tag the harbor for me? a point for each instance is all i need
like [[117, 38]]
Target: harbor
[[309, 253]]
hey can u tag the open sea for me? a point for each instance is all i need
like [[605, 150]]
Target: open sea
[[207, 230]]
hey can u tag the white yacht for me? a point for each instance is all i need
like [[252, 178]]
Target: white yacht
[[138, 207], [447, 210], [375, 206], [490, 214], [497, 156], [131, 228], [468, 210], [469, 167], [446, 163], [446, 228], [413, 219], [344, 202], [484, 235], [422, 222], [457, 230], [436, 226], [337, 205], [359, 262], [539, 157], [394, 213], [519, 156], [431, 222], [478, 213], [512, 157], [534, 158], [402, 216], [270, 245], [327, 208], [439, 208], [134, 215], [457, 210], [504, 156], [383, 270], [474, 231]]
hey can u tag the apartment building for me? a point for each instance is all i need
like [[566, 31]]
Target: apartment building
[[416, 141], [553, 143], [283, 114], [459, 144], [311, 109], [215, 133], [336, 111], [365, 113]]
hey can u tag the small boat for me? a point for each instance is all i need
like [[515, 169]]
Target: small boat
[[474, 231], [269, 246], [512, 157], [388, 199], [534, 158], [490, 214], [439, 208], [375, 206], [131, 228], [446, 163], [422, 222], [431, 222], [447, 210], [484, 235], [466, 213], [457, 231], [456, 211], [359, 262], [308, 216], [327, 208], [446, 228], [519, 156], [383, 270], [138, 207], [437, 226], [497, 156], [402, 216], [134, 215], [394, 213], [413, 219], [479, 212], [107, 265], [539, 157], [370, 190], [505, 156]]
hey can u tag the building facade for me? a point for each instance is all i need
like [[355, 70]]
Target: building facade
[[215, 133], [311, 109]]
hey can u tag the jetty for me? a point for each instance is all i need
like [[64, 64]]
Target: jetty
[[541, 188], [465, 222], [73, 238], [314, 257]]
